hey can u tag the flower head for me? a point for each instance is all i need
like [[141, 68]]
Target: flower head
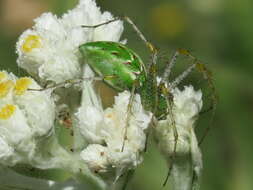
[[50, 49], [24, 115], [104, 129], [110, 128]]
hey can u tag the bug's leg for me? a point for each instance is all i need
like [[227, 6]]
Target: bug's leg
[[214, 97], [182, 76], [148, 44], [72, 82], [175, 133], [207, 76], [209, 108], [128, 115], [169, 100], [129, 21], [169, 67], [101, 24]]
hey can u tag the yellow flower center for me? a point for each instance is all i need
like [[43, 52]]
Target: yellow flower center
[[31, 42], [2, 76], [7, 111], [22, 85], [5, 87]]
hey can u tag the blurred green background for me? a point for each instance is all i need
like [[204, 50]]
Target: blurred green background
[[219, 32]]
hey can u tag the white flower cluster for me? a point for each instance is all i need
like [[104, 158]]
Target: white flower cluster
[[24, 116], [187, 158], [114, 137], [49, 50], [105, 131]]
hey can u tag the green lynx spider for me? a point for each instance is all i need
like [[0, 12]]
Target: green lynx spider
[[131, 74], [122, 69]]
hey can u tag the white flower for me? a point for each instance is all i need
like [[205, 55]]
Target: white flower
[[187, 158], [24, 115], [50, 49], [106, 129], [38, 106]]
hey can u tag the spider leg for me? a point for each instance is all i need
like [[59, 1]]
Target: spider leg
[[148, 44], [128, 114], [169, 67], [129, 21], [72, 82], [169, 100], [206, 74], [175, 133], [182, 76]]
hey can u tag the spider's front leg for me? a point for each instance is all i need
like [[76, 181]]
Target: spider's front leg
[[147, 43], [165, 94], [206, 75]]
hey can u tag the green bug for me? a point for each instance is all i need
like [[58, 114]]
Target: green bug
[[130, 73]]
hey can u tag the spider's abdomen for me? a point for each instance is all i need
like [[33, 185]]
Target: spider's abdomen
[[151, 94], [117, 64]]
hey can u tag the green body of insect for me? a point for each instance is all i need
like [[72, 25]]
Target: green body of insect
[[127, 69], [115, 60]]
